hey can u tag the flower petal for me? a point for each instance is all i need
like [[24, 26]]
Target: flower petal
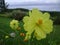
[[28, 26], [46, 15], [39, 33], [47, 26], [25, 19]]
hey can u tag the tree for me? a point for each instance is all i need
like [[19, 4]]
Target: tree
[[3, 6]]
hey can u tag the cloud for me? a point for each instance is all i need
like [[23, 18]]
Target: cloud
[[51, 1], [31, 0], [19, 0], [26, 1]]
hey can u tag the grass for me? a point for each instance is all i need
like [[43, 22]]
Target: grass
[[52, 39]]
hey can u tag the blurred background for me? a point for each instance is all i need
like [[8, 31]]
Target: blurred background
[[44, 5], [17, 9]]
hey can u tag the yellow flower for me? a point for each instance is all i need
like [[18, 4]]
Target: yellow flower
[[39, 23], [6, 36], [14, 24]]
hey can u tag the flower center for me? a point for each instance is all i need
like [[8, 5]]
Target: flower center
[[39, 22], [14, 24]]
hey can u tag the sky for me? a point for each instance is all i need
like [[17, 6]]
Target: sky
[[29, 4], [41, 1]]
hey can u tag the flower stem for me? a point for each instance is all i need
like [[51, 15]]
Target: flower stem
[[29, 42]]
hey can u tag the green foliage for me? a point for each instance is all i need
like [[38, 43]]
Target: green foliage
[[7, 15], [17, 14], [52, 39], [5, 30]]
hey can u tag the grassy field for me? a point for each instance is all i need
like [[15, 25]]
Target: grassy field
[[52, 39]]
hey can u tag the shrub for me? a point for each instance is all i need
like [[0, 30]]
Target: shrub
[[18, 15]]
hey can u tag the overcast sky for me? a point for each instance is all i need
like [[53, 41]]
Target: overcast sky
[[41, 1], [20, 3]]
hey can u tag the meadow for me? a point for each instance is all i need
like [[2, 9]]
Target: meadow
[[5, 30]]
